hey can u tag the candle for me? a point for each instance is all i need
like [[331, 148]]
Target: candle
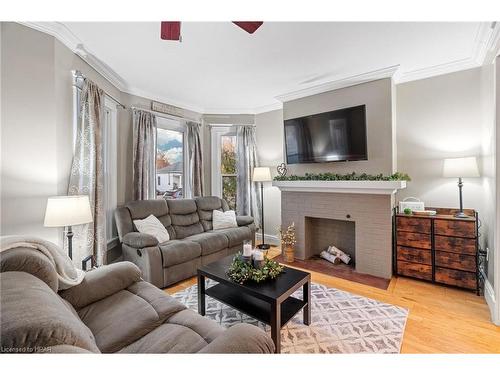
[[247, 250], [258, 255]]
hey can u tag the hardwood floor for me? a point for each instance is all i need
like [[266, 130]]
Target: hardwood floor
[[441, 319]]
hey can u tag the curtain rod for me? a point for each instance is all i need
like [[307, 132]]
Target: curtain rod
[[166, 115], [78, 74]]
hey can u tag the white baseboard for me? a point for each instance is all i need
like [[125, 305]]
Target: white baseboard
[[489, 296]]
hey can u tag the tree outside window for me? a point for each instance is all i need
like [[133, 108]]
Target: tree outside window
[[228, 170]]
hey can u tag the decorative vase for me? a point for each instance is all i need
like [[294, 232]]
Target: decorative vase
[[289, 254]]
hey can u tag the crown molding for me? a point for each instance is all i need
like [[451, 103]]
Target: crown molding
[[228, 111], [339, 83], [483, 51], [244, 111], [268, 108], [65, 36], [436, 70], [485, 48], [492, 44]]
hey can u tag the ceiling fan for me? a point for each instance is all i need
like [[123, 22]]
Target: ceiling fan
[[171, 30]]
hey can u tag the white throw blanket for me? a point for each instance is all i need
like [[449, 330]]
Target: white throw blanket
[[67, 274]]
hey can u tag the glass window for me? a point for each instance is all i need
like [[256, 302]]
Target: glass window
[[228, 169], [169, 164]]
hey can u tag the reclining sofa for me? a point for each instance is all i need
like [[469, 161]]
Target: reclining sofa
[[112, 311], [192, 242]]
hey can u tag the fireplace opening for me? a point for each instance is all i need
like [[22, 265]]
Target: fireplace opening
[[320, 233]]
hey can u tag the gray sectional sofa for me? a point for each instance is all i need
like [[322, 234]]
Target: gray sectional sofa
[[192, 243], [112, 311]]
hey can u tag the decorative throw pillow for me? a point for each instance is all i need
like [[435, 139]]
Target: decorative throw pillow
[[223, 220], [151, 225]]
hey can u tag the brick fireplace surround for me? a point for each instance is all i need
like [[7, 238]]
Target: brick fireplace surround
[[371, 214]]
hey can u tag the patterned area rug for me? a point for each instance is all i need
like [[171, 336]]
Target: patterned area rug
[[341, 322]]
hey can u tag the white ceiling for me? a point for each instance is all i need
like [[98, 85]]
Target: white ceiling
[[220, 68]]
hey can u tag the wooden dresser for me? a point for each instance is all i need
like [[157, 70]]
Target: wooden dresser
[[441, 248]]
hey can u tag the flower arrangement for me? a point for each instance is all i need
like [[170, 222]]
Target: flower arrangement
[[288, 237], [288, 241], [240, 271], [398, 176]]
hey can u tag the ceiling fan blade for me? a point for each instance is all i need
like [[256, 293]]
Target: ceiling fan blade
[[170, 30], [249, 26]]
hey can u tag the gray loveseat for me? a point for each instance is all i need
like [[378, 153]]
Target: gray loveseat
[[112, 311], [192, 240]]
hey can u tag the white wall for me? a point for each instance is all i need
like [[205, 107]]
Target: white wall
[[269, 133], [438, 118], [29, 133], [495, 305], [450, 116], [488, 155]]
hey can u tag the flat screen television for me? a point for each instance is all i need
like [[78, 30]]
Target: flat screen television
[[325, 137]]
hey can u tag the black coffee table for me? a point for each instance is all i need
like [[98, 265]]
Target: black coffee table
[[269, 301]]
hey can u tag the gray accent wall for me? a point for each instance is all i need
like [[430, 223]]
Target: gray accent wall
[[378, 98]]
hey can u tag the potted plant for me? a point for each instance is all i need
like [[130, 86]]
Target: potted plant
[[288, 241]]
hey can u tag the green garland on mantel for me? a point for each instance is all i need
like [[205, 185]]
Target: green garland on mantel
[[398, 176]]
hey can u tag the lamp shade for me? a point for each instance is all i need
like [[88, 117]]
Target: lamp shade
[[68, 210], [460, 167], [261, 174]]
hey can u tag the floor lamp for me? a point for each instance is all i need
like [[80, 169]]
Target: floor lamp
[[66, 211], [262, 174], [459, 168]]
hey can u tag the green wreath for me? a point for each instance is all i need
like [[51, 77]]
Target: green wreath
[[240, 271]]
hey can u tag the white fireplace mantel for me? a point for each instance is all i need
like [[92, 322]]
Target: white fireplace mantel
[[350, 187]]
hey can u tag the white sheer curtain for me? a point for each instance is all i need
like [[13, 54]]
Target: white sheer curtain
[[247, 197]]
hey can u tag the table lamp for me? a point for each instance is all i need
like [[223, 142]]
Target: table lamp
[[460, 168], [262, 174], [66, 211]]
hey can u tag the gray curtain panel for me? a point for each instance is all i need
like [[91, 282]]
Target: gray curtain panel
[[144, 154], [248, 196], [195, 159], [86, 177]]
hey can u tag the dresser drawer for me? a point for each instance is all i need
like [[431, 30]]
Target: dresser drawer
[[413, 224], [455, 244], [457, 278], [411, 254], [456, 261], [419, 271], [420, 240], [456, 228]]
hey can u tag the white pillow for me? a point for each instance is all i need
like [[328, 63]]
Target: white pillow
[[151, 225], [223, 220]]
